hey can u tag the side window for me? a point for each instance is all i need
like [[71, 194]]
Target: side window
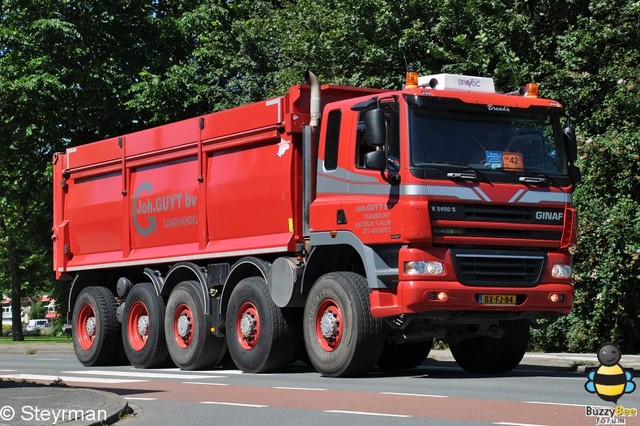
[[332, 139], [391, 113], [393, 136], [361, 144]]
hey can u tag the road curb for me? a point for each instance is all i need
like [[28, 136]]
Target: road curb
[[37, 404], [565, 361]]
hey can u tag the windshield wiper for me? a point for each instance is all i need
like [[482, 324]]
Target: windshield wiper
[[472, 176], [542, 178], [462, 175]]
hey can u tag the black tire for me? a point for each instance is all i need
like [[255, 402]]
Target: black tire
[[187, 332], [404, 356], [95, 326], [486, 355], [354, 339], [268, 341], [143, 327]]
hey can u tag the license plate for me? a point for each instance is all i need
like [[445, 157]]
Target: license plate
[[497, 299]]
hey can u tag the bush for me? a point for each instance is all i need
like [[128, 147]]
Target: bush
[[56, 327], [607, 259], [6, 329], [37, 311]]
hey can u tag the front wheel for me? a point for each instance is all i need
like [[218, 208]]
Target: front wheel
[[143, 327], [341, 336], [188, 335], [95, 326], [487, 355]]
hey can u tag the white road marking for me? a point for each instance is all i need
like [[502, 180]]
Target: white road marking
[[68, 378], [205, 383], [414, 394], [235, 404], [210, 372], [517, 424], [235, 372], [554, 403], [559, 378], [139, 398], [302, 389], [149, 375], [366, 413]]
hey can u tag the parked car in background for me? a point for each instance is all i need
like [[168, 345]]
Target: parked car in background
[[37, 324]]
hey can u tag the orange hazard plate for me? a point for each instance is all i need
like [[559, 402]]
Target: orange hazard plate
[[497, 299]]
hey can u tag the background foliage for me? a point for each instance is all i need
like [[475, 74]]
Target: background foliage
[[72, 72]]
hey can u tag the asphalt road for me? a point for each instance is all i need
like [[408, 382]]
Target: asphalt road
[[436, 393]]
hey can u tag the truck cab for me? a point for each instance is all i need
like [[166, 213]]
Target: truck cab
[[461, 199]]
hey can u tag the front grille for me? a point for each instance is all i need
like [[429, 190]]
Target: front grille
[[440, 231], [498, 268], [478, 221], [496, 213]]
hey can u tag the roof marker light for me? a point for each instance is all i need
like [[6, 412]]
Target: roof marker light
[[412, 80], [531, 90]]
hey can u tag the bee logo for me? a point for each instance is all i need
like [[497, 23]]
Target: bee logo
[[609, 381]]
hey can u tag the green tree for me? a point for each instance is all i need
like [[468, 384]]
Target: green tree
[[28, 93], [72, 72], [38, 310], [65, 69], [593, 67]]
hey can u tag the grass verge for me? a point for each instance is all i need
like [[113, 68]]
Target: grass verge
[[35, 339]]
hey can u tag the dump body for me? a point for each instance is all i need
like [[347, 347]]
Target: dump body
[[221, 185]]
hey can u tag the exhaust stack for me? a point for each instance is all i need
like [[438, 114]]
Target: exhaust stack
[[314, 107]]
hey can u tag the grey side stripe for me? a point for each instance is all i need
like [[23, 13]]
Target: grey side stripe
[[341, 181]]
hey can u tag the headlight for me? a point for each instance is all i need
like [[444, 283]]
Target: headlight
[[561, 271], [423, 268]]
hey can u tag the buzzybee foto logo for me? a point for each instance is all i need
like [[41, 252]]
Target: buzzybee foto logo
[[610, 381]]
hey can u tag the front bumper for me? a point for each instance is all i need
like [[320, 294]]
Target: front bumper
[[416, 297]]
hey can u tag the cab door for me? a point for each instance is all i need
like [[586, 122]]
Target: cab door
[[372, 193]]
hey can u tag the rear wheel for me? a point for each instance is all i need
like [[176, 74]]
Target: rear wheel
[[95, 326], [341, 336], [487, 355], [404, 356], [261, 336], [189, 339], [143, 327]]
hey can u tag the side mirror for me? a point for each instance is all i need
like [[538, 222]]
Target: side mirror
[[570, 143], [375, 128], [375, 160], [575, 175]]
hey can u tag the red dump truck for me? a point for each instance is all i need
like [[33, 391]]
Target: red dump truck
[[348, 226]]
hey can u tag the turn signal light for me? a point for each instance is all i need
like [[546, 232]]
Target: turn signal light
[[555, 297], [439, 296]]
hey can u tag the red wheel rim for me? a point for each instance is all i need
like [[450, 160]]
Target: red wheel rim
[[86, 327], [329, 325], [138, 325], [248, 326], [183, 326]]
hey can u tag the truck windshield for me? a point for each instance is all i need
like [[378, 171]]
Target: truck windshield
[[494, 141]]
